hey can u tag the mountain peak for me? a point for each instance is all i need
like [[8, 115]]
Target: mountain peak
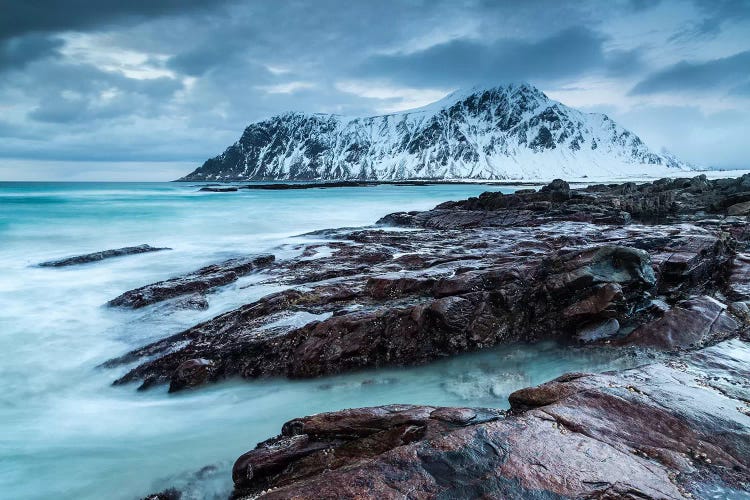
[[509, 131], [461, 94]]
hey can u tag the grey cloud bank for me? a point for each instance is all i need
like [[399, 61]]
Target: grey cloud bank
[[92, 89]]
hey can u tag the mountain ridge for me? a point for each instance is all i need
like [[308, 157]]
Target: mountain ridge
[[507, 132]]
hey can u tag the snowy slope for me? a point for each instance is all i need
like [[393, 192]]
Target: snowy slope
[[508, 132]]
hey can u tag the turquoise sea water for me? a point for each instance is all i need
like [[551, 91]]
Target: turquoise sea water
[[66, 433]]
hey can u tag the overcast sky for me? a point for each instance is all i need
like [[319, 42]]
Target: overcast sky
[[148, 89]]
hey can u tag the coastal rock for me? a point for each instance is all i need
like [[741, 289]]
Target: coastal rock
[[191, 373], [105, 254], [229, 189], [195, 301], [599, 331], [660, 431], [664, 200], [739, 209], [341, 436], [692, 323], [489, 270], [168, 494], [200, 281], [412, 316], [739, 278]]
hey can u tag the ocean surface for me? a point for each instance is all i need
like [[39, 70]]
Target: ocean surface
[[68, 434]]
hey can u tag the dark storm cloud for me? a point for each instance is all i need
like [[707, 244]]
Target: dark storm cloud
[[25, 16], [698, 76], [623, 62], [564, 54], [26, 24], [15, 53]]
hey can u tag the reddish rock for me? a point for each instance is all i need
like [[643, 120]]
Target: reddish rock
[[385, 287], [693, 323], [659, 431], [480, 272], [200, 281]]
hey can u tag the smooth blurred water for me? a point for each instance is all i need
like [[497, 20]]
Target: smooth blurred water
[[66, 433]]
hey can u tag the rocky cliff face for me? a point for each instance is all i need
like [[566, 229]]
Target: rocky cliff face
[[507, 132]]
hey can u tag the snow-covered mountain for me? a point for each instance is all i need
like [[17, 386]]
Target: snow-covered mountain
[[507, 132]]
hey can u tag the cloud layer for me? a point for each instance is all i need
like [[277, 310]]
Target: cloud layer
[[176, 81]]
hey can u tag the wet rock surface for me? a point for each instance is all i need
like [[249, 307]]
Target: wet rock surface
[[660, 266], [664, 430], [198, 282], [654, 265], [227, 189], [97, 256]]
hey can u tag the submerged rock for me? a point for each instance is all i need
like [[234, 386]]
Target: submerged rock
[[105, 254]]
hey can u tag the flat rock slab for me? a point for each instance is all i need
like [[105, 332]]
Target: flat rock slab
[[660, 431], [97, 256]]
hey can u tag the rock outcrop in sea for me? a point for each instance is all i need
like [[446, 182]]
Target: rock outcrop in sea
[[104, 254], [602, 264], [657, 267]]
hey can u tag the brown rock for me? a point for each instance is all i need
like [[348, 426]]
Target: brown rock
[[659, 431], [694, 322], [191, 373]]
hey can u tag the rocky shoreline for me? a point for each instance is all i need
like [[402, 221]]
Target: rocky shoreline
[[668, 430], [662, 265]]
